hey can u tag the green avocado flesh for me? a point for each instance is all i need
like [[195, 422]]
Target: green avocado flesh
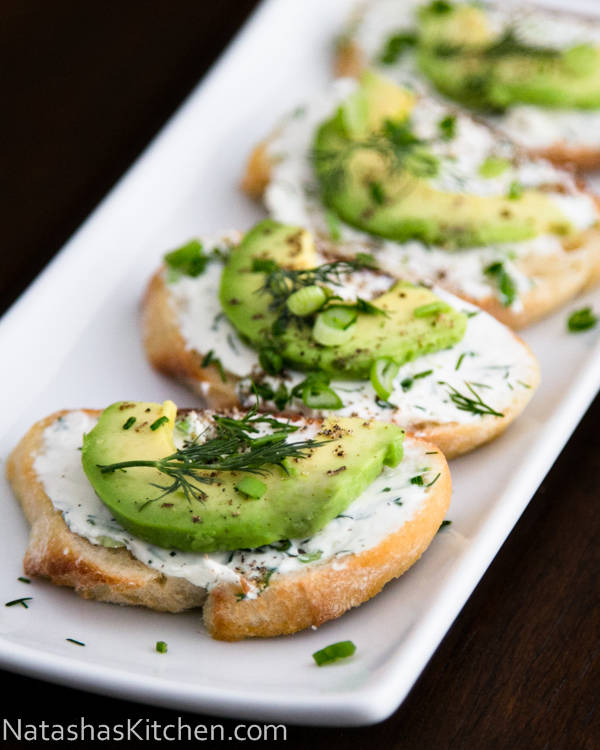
[[487, 71], [398, 334], [406, 206], [381, 184], [293, 505]]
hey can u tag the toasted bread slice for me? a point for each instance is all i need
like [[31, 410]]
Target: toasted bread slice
[[555, 276], [317, 592], [170, 353]]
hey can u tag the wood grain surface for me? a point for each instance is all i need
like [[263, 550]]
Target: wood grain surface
[[85, 87]]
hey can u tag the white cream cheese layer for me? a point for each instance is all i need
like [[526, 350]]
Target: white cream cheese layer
[[492, 360], [532, 127], [292, 196], [390, 501]]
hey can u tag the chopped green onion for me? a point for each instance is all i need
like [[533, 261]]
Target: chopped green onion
[[334, 326], [333, 652], [334, 226], [383, 372], [447, 127], [23, 579], [493, 166], [252, 487], [418, 480], [321, 397], [159, 422], [129, 423], [76, 642], [581, 320], [309, 557], [161, 647], [515, 191], [377, 192], [306, 300], [396, 45], [189, 259], [433, 308], [270, 360]]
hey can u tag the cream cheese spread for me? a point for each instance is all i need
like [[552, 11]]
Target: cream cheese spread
[[390, 501]]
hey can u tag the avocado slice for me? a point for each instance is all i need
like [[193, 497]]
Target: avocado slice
[[382, 184], [396, 332], [240, 509], [488, 70]]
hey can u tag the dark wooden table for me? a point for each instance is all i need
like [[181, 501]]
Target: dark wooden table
[[85, 86]]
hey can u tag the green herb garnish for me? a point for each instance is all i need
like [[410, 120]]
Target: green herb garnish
[[129, 423], [76, 642], [447, 127], [190, 259], [161, 647], [472, 403], [333, 652], [23, 579], [444, 524], [396, 45], [159, 422], [581, 320], [22, 601], [506, 284], [234, 448], [210, 359]]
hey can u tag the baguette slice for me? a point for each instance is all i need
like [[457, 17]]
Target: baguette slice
[[170, 353], [292, 601], [557, 276], [351, 58]]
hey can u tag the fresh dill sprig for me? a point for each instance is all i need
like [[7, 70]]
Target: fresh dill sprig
[[235, 447], [473, 403], [281, 283]]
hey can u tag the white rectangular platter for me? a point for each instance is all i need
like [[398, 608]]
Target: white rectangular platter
[[73, 341]]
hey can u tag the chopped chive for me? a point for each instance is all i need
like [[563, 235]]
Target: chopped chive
[[251, 487], [161, 647], [22, 601], [23, 579], [515, 191], [433, 481], [159, 422], [444, 524], [460, 359], [431, 453], [210, 359], [129, 423], [333, 652], [418, 480], [386, 489], [76, 642], [447, 127], [397, 501], [581, 320], [432, 308], [377, 193], [310, 556], [334, 226], [423, 374]]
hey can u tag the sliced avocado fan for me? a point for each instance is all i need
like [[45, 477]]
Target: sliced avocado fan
[[261, 288], [489, 69], [383, 181], [186, 499]]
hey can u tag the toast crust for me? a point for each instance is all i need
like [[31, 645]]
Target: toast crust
[[167, 352], [559, 278], [291, 602], [67, 559]]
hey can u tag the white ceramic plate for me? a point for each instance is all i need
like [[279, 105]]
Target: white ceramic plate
[[73, 340]]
